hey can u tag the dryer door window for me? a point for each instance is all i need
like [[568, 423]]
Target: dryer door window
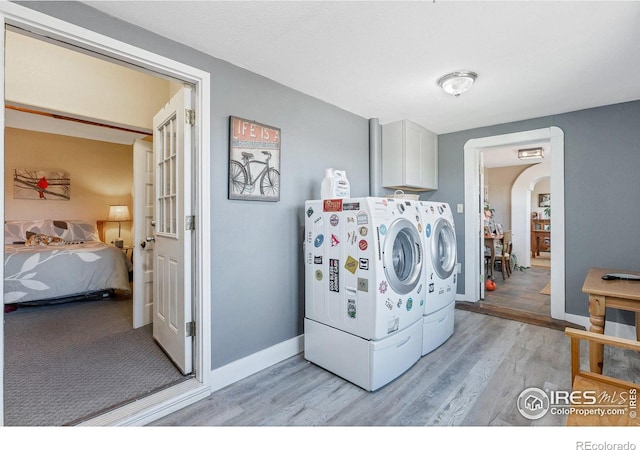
[[402, 256], [443, 249]]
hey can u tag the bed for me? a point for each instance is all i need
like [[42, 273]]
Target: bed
[[71, 263]]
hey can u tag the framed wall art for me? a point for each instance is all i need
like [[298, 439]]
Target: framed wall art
[[544, 200], [254, 161], [41, 184]]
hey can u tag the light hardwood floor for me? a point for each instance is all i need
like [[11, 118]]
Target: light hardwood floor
[[472, 379], [521, 291]]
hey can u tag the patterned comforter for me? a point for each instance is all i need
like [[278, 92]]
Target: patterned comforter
[[53, 272]]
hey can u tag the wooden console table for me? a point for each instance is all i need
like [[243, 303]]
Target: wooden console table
[[540, 235], [536, 237], [619, 294]]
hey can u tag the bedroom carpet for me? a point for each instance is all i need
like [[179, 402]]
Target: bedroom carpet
[[68, 362]]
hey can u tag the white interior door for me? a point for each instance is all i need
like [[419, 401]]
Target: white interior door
[[172, 309], [143, 205]]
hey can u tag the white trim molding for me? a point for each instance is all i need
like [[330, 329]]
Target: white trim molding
[[254, 363]]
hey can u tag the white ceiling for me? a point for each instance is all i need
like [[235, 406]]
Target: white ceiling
[[381, 59]]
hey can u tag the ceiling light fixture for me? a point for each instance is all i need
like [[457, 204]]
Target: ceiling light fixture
[[455, 83], [531, 153]]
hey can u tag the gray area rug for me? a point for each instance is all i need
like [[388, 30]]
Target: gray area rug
[[68, 362]]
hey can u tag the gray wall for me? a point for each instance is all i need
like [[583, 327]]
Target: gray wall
[[257, 266], [602, 190]]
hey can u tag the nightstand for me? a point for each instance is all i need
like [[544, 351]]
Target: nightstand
[[126, 249]]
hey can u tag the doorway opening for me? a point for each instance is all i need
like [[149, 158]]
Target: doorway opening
[[63, 34], [511, 204], [474, 261]]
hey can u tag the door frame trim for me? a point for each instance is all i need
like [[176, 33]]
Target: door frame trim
[[80, 38], [473, 264]]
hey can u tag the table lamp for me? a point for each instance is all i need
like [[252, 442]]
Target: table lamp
[[119, 213]]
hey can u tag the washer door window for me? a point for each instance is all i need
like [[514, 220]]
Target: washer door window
[[443, 248], [402, 256]]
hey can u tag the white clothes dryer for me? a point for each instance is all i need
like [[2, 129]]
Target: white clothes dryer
[[364, 288], [439, 239]]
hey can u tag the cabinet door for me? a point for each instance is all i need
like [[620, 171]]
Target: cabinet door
[[414, 156], [409, 157], [429, 148], [421, 157]]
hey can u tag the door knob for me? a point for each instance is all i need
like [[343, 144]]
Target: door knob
[[151, 239]]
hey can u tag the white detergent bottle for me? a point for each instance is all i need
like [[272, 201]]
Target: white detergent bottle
[[335, 185]]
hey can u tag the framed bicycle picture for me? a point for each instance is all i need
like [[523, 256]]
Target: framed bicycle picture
[[254, 161]]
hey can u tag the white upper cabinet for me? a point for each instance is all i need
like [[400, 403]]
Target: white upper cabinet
[[409, 157]]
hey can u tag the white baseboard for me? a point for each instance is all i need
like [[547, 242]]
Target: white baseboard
[[610, 328], [242, 368]]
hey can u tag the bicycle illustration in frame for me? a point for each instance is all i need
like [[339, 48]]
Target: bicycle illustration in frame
[[254, 161]]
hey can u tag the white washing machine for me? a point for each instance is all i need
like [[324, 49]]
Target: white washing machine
[[364, 289], [439, 239]]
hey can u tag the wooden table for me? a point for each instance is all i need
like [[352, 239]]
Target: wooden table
[[491, 241], [536, 236], [619, 294]]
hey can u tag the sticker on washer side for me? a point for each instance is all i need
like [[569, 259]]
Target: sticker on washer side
[[409, 304], [393, 325], [351, 264], [351, 206], [363, 284], [334, 275], [351, 308], [332, 205], [388, 304]]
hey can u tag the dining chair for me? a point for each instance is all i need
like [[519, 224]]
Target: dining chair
[[616, 392], [505, 255]]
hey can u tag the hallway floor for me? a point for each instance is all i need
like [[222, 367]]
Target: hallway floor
[[519, 297], [522, 291]]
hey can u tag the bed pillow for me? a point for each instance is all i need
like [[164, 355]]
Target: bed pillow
[[75, 230], [18, 231], [15, 231]]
